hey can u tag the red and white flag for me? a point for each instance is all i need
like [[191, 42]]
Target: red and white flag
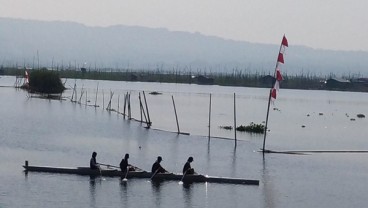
[[280, 60], [284, 42]]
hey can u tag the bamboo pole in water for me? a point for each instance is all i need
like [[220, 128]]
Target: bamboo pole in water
[[109, 104], [209, 119], [235, 120], [142, 110], [75, 86], [118, 103], [76, 96], [265, 129], [145, 101], [129, 109], [140, 106], [96, 95], [125, 102], [176, 115]]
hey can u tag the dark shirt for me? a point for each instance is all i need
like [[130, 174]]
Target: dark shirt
[[124, 165], [188, 169], [157, 167], [93, 163]]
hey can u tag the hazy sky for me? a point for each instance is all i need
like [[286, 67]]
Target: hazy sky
[[327, 24]]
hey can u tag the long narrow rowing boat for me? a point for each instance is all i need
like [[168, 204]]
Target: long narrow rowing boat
[[138, 174]]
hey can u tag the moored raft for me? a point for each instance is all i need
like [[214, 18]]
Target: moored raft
[[110, 172]]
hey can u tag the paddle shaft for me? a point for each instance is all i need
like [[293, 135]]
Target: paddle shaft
[[107, 165], [126, 174], [155, 173], [184, 175]]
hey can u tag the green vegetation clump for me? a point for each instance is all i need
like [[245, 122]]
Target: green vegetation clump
[[360, 115], [252, 127], [226, 127], [45, 82]]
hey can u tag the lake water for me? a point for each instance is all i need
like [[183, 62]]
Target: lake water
[[62, 133]]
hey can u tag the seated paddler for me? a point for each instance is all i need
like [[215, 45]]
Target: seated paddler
[[156, 167], [124, 164], [187, 169], [93, 163]]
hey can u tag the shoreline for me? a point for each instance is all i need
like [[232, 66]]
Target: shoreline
[[303, 82]]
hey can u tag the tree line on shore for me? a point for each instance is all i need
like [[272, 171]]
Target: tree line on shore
[[235, 78]]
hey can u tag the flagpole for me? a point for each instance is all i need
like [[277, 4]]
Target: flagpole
[[269, 99], [265, 129]]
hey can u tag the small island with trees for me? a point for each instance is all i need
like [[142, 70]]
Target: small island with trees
[[44, 82]]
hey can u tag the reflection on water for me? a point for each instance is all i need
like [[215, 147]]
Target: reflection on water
[[124, 192], [156, 192], [206, 196], [66, 133], [187, 192], [233, 162], [92, 190], [268, 194], [208, 154]]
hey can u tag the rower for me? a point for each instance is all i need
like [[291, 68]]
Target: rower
[[92, 163], [124, 164], [156, 167], [187, 168]]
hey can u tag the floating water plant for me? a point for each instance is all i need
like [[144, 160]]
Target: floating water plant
[[155, 93], [360, 115], [226, 127], [252, 128]]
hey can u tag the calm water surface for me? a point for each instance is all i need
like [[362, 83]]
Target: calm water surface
[[61, 133]]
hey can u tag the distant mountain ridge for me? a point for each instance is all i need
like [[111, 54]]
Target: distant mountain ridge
[[133, 47]]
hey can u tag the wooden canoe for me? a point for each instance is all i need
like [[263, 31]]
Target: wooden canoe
[[138, 174]]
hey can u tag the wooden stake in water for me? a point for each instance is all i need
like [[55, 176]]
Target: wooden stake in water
[[96, 95], [142, 111], [129, 109], [140, 106], [176, 115], [235, 120], [149, 119], [265, 129], [118, 103], [125, 103], [209, 119], [109, 104], [74, 90]]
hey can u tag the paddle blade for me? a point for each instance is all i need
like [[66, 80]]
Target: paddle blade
[[125, 179], [181, 183]]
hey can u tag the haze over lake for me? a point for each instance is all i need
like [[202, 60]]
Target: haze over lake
[[69, 45]]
